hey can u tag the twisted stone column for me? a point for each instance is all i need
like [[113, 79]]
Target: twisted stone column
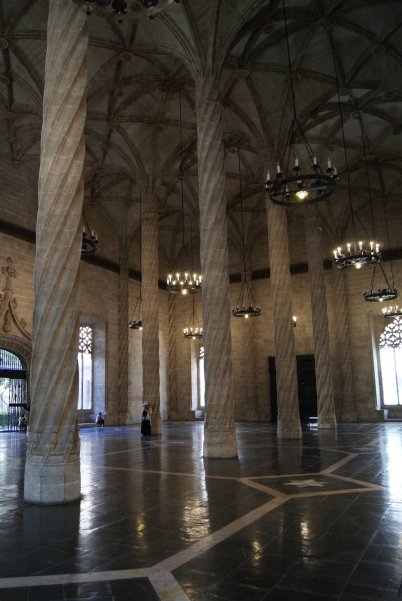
[[323, 372], [150, 310], [344, 363], [123, 329], [52, 470], [288, 425], [220, 433], [172, 401]]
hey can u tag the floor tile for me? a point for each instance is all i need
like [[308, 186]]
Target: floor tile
[[278, 523]]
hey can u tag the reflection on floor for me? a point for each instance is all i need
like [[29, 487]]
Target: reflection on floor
[[303, 520]]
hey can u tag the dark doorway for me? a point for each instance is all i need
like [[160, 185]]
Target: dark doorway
[[306, 385]]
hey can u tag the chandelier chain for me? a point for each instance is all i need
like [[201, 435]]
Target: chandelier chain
[[380, 175], [343, 137]]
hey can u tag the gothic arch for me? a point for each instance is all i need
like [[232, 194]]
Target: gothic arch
[[19, 347]]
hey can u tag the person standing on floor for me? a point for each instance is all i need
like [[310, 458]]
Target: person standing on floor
[[146, 420]]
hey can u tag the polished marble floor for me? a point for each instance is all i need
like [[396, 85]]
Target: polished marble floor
[[310, 520]]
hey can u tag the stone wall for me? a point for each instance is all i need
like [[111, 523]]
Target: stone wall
[[252, 340]]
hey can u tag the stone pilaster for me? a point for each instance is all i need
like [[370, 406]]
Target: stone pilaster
[[52, 470], [323, 371], [150, 310], [220, 433], [344, 359], [123, 329], [288, 425]]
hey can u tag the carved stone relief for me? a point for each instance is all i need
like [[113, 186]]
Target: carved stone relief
[[9, 319]]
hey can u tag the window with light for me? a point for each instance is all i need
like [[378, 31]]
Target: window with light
[[85, 367], [391, 363]]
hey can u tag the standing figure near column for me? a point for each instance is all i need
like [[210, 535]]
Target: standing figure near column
[[52, 470]]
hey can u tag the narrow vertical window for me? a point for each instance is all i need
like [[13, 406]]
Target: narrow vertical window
[[85, 365], [201, 377]]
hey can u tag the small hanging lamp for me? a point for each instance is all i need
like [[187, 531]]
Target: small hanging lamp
[[390, 292], [89, 238], [246, 305]]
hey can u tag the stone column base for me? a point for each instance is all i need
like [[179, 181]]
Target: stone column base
[[327, 421], [156, 425], [289, 428], [220, 445], [52, 482], [349, 416]]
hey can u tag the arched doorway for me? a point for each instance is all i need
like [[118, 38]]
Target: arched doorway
[[13, 389]]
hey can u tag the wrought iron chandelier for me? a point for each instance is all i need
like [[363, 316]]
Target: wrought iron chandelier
[[294, 185], [246, 305], [122, 7], [392, 311], [390, 292], [118, 7], [89, 238], [135, 322], [380, 294], [355, 255], [189, 281], [194, 331]]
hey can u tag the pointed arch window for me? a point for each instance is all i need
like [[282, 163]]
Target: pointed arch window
[[85, 367], [391, 363], [201, 377]]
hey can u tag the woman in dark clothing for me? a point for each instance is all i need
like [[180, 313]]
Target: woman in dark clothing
[[146, 420]]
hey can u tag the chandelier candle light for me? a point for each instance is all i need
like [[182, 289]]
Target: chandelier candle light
[[392, 311], [357, 257], [184, 283]]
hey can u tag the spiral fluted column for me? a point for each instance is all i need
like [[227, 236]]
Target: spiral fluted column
[[172, 401], [322, 355], [219, 433], [150, 310], [52, 470], [123, 330], [344, 363], [288, 425]]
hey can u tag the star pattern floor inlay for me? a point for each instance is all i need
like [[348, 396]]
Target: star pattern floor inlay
[[313, 519]]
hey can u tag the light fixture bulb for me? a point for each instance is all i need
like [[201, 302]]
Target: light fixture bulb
[[301, 194]]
